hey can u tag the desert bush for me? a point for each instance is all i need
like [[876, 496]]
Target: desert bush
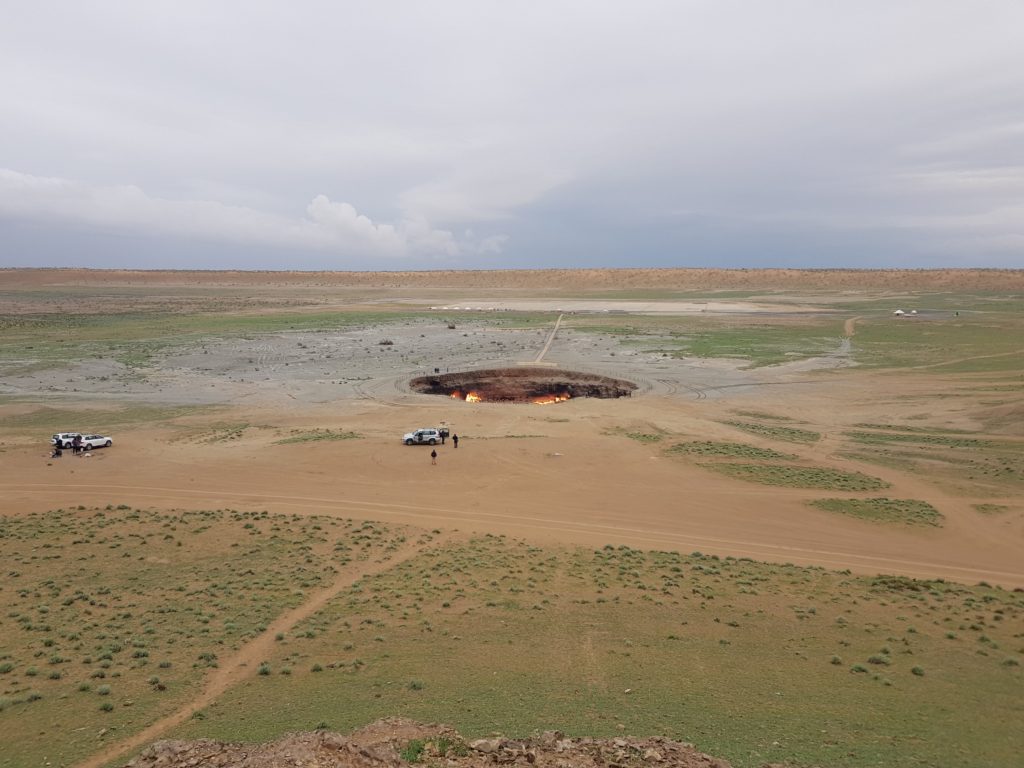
[[413, 751]]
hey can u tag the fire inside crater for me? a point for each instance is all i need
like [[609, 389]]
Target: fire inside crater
[[542, 386]]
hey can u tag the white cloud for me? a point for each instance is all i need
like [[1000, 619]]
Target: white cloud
[[575, 127], [329, 226]]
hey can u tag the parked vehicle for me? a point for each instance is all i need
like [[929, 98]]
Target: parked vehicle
[[425, 436], [90, 442], [64, 439], [87, 442]]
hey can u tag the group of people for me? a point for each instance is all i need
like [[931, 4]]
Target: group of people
[[76, 447], [433, 451]]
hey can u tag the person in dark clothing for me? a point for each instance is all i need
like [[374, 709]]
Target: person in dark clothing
[[455, 440], [57, 452], [76, 444], [433, 457]]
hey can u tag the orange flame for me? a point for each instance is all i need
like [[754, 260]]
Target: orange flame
[[456, 395], [473, 397], [549, 399]]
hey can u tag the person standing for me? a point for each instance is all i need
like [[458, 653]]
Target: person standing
[[433, 456], [455, 440]]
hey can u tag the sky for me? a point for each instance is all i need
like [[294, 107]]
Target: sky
[[483, 135]]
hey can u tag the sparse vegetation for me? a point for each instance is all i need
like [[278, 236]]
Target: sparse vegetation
[[729, 450], [883, 509], [317, 435], [777, 432], [800, 476]]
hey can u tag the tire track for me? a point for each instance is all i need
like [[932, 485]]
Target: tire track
[[242, 664], [551, 338]]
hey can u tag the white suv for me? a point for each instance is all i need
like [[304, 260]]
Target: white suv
[[64, 439], [426, 436]]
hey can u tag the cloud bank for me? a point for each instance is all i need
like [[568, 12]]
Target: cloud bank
[[409, 135], [326, 226]]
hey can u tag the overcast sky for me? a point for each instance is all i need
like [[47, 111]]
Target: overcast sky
[[436, 135]]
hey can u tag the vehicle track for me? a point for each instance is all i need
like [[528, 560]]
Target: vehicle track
[[551, 338], [243, 663]]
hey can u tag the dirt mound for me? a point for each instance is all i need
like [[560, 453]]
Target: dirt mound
[[521, 385], [397, 742]]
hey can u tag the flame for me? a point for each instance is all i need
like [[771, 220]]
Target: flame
[[473, 397], [457, 395], [549, 399]]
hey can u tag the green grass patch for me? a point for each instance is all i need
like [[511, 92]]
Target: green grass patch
[[317, 435], [922, 438], [728, 450], [655, 435], [800, 477], [777, 432], [991, 509], [597, 642], [761, 415], [98, 599], [983, 342], [136, 338], [883, 509], [51, 419]]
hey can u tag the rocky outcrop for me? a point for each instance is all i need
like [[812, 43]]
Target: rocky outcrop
[[396, 742]]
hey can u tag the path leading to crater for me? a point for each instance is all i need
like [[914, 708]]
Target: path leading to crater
[[551, 338]]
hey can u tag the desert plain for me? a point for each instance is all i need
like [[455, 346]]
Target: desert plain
[[799, 541]]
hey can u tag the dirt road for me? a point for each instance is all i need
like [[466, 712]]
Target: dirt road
[[244, 663]]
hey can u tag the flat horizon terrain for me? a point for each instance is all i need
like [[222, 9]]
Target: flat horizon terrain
[[790, 440]]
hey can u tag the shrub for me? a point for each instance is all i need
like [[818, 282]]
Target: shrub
[[264, 669], [107, 706], [919, 671], [413, 751], [103, 690]]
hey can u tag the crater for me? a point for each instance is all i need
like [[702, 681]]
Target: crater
[[542, 386]]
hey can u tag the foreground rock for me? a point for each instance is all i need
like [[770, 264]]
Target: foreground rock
[[398, 742]]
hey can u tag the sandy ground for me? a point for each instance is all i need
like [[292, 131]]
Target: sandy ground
[[562, 473]]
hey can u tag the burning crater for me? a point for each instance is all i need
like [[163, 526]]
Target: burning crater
[[521, 385]]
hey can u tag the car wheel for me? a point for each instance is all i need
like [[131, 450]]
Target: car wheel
[[433, 441], [408, 442], [108, 443], [67, 446]]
